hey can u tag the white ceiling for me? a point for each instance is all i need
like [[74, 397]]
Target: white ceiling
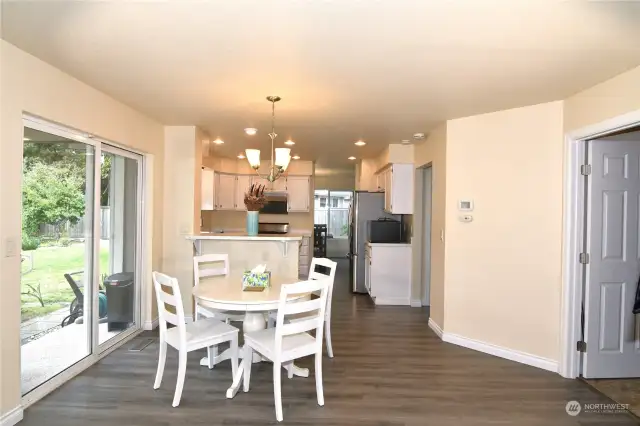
[[346, 70]]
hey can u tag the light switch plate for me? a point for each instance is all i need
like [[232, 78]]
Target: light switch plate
[[10, 247]]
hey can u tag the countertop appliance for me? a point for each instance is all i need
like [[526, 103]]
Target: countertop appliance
[[277, 203], [366, 206], [273, 228], [385, 231]]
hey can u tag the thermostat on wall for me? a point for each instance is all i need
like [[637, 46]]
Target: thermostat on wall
[[465, 205]]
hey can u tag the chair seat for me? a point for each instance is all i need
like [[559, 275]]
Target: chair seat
[[293, 346], [203, 333]]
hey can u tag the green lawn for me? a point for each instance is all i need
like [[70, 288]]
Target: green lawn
[[49, 266]]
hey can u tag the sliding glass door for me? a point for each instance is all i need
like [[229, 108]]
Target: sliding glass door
[[81, 242], [331, 208], [119, 218]]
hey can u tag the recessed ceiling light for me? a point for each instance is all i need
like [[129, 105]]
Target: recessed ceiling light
[[241, 156], [352, 158], [296, 157], [251, 131], [218, 141], [360, 143], [289, 142], [418, 136], [405, 141]]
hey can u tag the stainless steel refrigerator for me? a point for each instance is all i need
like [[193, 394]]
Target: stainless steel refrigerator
[[366, 206]]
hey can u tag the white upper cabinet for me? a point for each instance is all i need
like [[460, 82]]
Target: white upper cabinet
[[226, 192], [298, 191], [207, 187], [398, 188], [243, 182], [280, 184]]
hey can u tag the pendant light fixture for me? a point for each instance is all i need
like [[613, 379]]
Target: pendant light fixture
[[280, 157]]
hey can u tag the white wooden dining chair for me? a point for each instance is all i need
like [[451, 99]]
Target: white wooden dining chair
[[331, 275], [215, 265], [330, 265], [289, 341], [186, 337]]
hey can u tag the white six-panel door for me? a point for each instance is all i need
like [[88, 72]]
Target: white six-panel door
[[613, 200]]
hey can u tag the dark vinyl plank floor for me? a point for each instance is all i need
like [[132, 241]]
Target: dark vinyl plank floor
[[389, 370]]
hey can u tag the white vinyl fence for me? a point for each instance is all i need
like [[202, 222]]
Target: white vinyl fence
[[76, 230], [336, 219]]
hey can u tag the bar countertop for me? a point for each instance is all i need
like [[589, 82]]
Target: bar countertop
[[242, 236]]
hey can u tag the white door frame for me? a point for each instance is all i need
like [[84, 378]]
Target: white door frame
[[573, 234], [425, 291], [417, 287]]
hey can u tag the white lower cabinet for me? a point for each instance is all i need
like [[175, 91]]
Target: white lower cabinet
[[388, 273], [304, 260]]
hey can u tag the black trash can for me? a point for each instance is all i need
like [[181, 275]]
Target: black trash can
[[120, 297]]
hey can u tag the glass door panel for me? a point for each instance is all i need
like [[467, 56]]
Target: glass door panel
[[119, 243], [57, 254]]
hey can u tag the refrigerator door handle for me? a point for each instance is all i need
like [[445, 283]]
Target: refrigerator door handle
[[354, 260]]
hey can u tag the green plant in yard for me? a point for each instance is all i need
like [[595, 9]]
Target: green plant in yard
[[64, 242], [29, 242], [35, 291], [51, 194], [50, 265]]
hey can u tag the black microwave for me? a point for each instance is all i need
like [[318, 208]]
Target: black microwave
[[385, 231]]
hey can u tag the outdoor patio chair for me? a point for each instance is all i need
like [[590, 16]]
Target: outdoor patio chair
[[76, 309]]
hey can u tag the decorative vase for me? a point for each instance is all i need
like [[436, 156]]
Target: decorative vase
[[252, 223]]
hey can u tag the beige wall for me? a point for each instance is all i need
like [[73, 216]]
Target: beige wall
[[617, 96], [229, 220], [432, 151], [180, 215], [32, 86], [366, 178], [336, 182], [503, 269]]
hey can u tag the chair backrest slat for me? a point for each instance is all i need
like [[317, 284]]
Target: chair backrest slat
[[167, 298], [301, 307], [300, 326], [211, 270], [171, 318], [316, 275], [314, 308], [162, 283]]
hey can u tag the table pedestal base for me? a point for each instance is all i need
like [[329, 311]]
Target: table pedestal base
[[253, 321]]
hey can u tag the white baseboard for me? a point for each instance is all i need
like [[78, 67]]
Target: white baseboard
[[150, 325], [416, 303], [393, 301], [435, 327], [12, 417], [499, 351], [188, 319]]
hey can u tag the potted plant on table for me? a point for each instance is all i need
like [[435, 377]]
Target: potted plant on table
[[254, 200]]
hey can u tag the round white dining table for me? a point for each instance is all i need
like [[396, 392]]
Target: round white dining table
[[225, 293]]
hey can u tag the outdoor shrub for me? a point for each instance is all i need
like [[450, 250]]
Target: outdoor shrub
[[30, 243], [64, 242]]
